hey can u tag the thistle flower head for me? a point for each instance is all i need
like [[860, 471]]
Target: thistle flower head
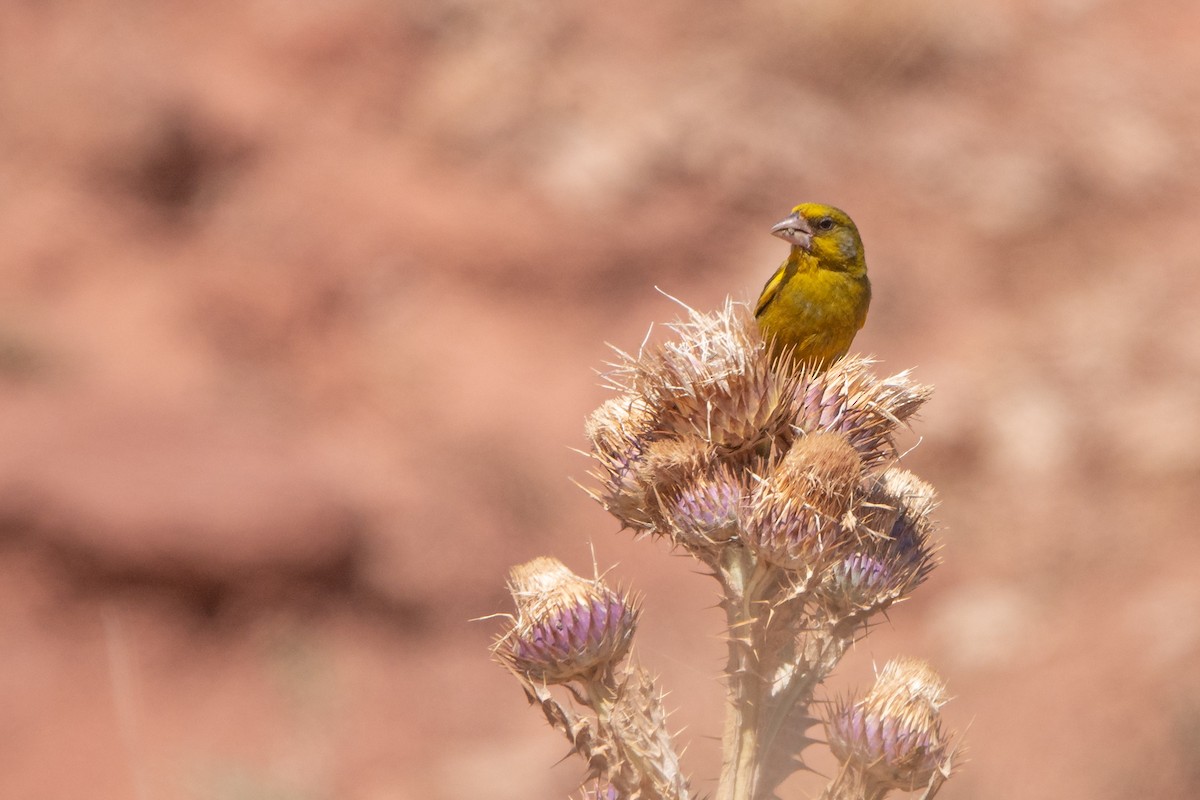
[[620, 431], [893, 555], [706, 510], [894, 735], [668, 464], [797, 512], [566, 627], [850, 399], [714, 381]]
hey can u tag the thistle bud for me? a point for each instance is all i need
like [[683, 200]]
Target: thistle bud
[[893, 736], [566, 627], [705, 511], [619, 431], [797, 513], [893, 556]]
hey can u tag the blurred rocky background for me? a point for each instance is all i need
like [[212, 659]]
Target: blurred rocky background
[[302, 303]]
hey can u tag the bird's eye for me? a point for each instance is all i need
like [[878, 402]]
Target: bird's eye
[[825, 224]]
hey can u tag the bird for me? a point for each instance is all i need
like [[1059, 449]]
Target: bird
[[815, 303]]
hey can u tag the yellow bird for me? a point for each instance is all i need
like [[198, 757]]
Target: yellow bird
[[817, 300]]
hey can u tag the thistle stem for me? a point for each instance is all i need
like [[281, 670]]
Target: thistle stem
[[851, 784], [741, 577], [821, 654], [600, 693], [630, 718]]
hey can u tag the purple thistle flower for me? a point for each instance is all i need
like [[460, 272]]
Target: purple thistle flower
[[893, 555], [797, 512], [893, 735], [706, 511], [566, 627]]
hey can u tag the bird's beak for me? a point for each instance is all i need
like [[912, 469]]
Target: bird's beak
[[794, 230]]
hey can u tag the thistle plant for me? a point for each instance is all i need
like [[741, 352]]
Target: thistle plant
[[783, 480]]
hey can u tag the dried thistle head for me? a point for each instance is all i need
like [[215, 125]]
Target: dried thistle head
[[620, 430], [893, 736], [668, 464], [566, 627], [893, 555], [637, 473], [797, 516], [705, 511], [714, 381], [851, 400]]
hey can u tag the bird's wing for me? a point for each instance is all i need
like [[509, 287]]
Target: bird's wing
[[772, 288]]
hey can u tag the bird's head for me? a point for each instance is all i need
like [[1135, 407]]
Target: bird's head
[[826, 232]]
